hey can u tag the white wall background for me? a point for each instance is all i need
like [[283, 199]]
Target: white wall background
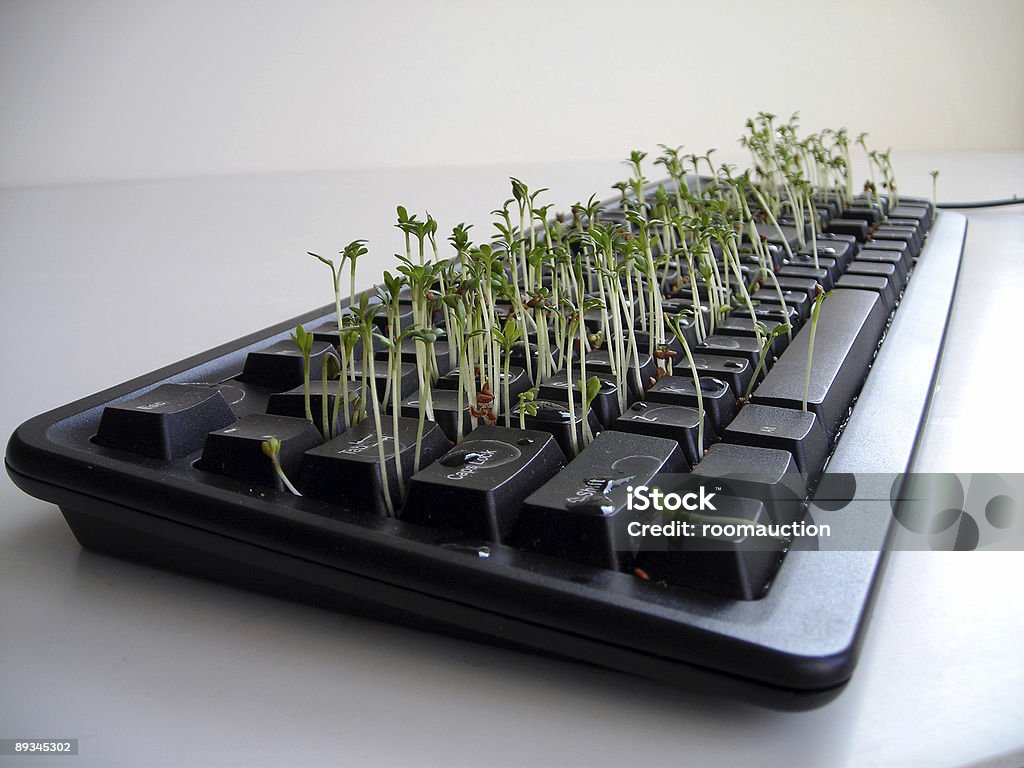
[[107, 90]]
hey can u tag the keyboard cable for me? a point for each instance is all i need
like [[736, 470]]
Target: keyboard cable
[[984, 203]]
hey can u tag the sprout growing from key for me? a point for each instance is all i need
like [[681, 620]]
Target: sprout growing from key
[[588, 392], [350, 255], [674, 326], [767, 339], [507, 339], [330, 368], [527, 405], [348, 339], [364, 314], [272, 450], [426, 337], [335, 281], [819, 298], [304, 341]]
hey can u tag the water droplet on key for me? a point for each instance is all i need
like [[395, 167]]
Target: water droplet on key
[[524, 441], [457, 458], [598, 503], [711, 385], [549, 411], [480, 550]]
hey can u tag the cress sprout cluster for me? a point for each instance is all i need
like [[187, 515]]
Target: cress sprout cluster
[[554, 295]]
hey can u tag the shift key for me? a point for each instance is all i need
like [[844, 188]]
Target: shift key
[[849, 326]]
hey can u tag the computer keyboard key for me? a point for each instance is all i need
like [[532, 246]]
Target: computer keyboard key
[[554, 417], [818, 275], [836, 245], [769, 475], [638, 378], [346, 470], [913, 225], [805, 285], [519, 353], [735, 371], [799, 432], [874, 256], [329, 332], [293, 402], [408, 378], [687, 323], [168, 422], [856, 227], [409, 352], [920, 214], [806, 261], [775, 313], [719, 399], [721, 556], [879, 285], [898, 248], [899, 235], [672, 422], [876, 199], [744, 326], [478, 487], [605, 405], [236, 450], [769, 297], [849, 327], [280, 366], [899, 245], [581, 514], [870, 214], [877, 269], [672, 344], [769, 232], [831, 206], [445, 404], [727, 345], [517, 382]]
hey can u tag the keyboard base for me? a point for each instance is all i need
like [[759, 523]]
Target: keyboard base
[[110, 529]]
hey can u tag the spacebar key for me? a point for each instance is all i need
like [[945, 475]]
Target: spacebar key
[[849, 327]]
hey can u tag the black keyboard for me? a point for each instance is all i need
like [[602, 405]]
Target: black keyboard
[[522, 534]]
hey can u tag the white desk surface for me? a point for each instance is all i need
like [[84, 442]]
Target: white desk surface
[[101, 283]]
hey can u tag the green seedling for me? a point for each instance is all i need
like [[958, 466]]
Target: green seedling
[[272, 450], [767, 338], [351, 254], [409, 225], [674, 326], [575, 318], [330, 368], [349, 338], [507, 338], [588, 391], [304, 341], [819, 299], [364, 314], [335, 281], [527, 405], [426, 337]]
